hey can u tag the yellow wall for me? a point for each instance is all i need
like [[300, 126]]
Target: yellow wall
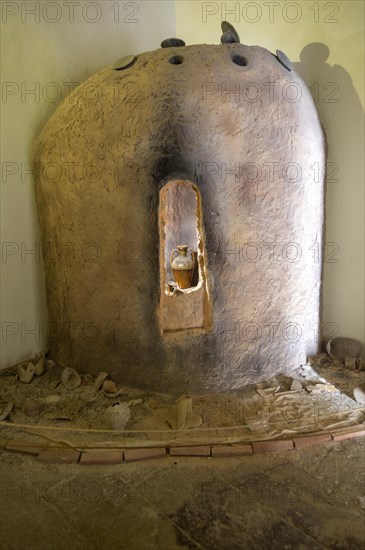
[[338, 88]]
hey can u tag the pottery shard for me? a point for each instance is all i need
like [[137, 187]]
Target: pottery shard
[[52, 399], [354, 363], [49, 364], [183, 416], [87, 378], [340, 347], [39, 365], [110, 389], [6, 411], [26, 374], [359, 394], [296, 385], [323, 360], [317, 388], [70, 379], [100, 380], [7, 394]]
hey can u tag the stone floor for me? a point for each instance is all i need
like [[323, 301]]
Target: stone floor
[[311, 498]]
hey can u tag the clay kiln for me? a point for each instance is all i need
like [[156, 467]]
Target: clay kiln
[[218, 147]]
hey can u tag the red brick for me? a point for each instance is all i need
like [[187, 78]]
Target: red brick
[[309, 440], [198, 450], [231, 450], [132, 455], [58, 456], [349, 433], [272, 446], [101, 457], [21, 446]]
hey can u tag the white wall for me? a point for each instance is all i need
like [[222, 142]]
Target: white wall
[[45, 56]]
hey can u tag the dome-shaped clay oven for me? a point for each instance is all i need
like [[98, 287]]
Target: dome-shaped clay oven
[[218, 148]]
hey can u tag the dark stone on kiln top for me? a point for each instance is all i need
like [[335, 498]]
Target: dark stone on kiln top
[[227, 38], [124, 62], [284, 60], [172, 42], [230, 34]]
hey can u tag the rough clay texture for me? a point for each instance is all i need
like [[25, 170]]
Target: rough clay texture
[[101, 161]]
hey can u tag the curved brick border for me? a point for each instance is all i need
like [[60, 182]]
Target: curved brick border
[[54, 455]]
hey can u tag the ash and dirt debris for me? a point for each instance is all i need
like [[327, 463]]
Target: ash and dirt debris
[[308, 401]]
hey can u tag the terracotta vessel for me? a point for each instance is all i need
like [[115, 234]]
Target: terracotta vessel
[[182, 266]]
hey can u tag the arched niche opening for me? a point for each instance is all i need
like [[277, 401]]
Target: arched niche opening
[[186, 305]]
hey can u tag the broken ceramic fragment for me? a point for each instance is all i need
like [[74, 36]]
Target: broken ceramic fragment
[[26, 374], [296, 385], [110, 389], [134, 402], [7, 393], [100, 380], [52, 399], [340, 347], [87, 378], [317, 388], [117, 415], [359, 394], [70, 378], [350, 363], [6, 411], [323, 360], [354, 363], [183, 416], [265, 392], [39, 365], [49, 364]]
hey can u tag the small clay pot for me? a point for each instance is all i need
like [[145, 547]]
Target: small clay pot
[[70, 379]]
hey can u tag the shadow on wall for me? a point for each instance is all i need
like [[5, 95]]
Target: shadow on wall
[[342, 118]]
